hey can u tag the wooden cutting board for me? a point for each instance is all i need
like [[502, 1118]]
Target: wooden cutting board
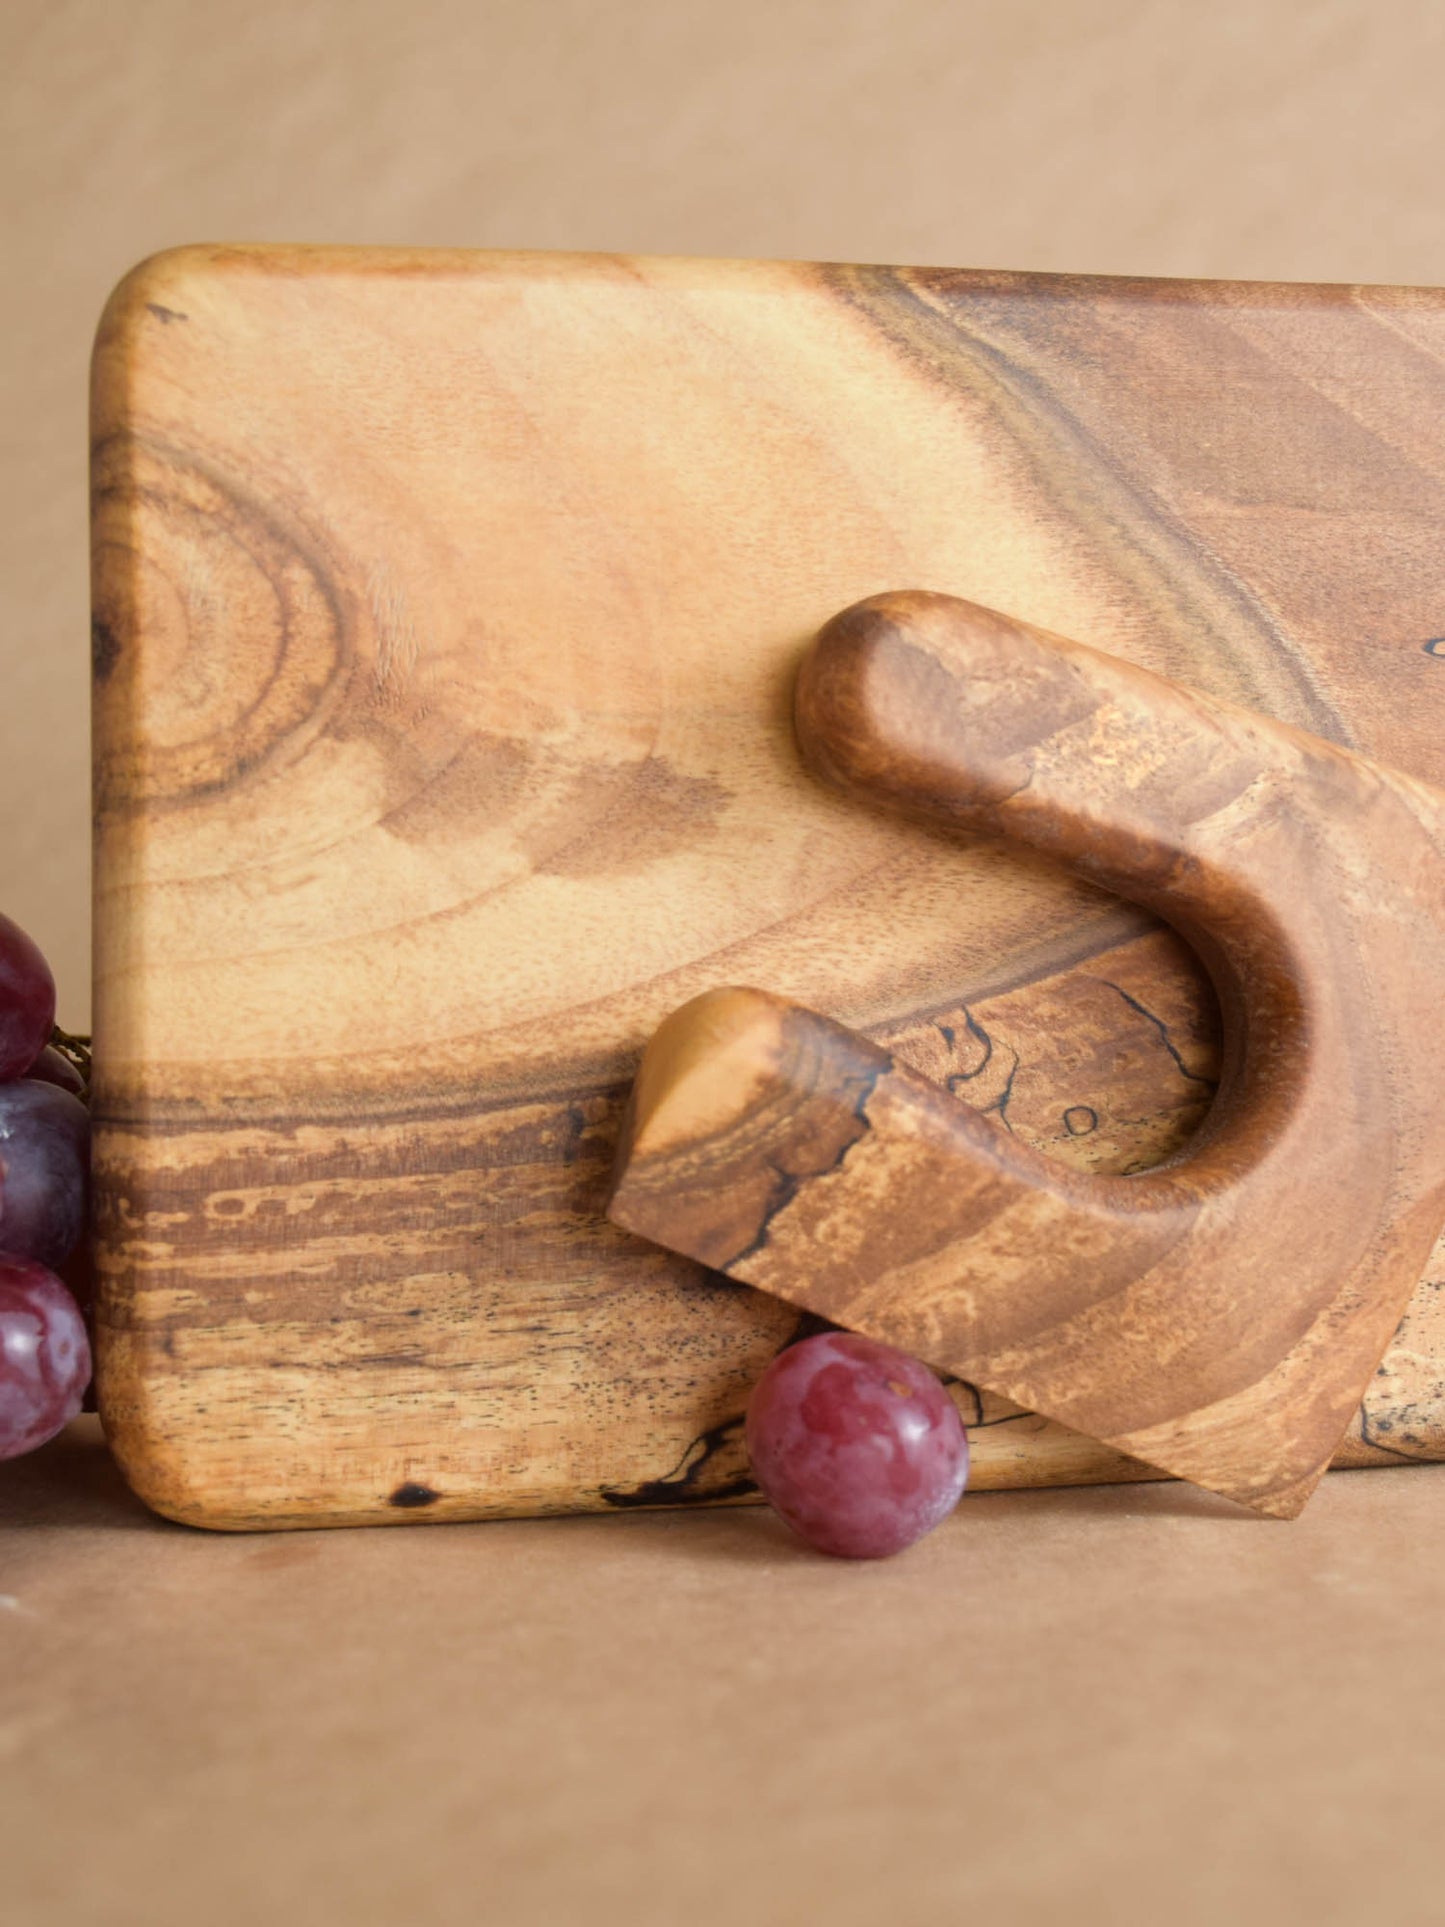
[[446, 609]]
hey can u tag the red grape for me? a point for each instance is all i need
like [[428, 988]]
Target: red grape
[[53, 1067], [44, 1357], [77, 1274], [858, 1446], [44, 1152], [27, 1001]]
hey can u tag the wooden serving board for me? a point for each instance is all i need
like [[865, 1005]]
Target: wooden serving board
[[446, 610]]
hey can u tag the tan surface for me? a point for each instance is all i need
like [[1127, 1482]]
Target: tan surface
[[1116, 1706], [1105, 1706]]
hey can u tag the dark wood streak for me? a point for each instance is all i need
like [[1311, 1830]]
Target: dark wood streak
[[410, 1494], [713, 1468], [997, 339]]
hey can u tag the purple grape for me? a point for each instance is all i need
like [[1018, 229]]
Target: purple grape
[[27, 1001], [44, 1357], [53, 1067], [858, 1446], [44, 1158]]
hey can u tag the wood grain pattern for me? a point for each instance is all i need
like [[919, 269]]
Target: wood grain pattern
[[1219, 1318], [447, 608]]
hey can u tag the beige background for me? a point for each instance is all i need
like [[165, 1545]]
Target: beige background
[[1125, 1706], [1277, 138]]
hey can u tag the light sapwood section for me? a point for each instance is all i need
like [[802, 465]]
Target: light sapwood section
[[447, 608]]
